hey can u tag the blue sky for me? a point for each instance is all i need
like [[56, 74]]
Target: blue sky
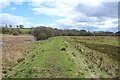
[[99, 15], [25, 10]]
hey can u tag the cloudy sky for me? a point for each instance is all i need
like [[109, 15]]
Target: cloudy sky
[[91, 15]]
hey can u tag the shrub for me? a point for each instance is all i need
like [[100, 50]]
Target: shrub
[[6, 30], [42, 33], [41, 36], [11, 31], [16, 32]]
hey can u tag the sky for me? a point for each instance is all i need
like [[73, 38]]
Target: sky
[[90, 15]]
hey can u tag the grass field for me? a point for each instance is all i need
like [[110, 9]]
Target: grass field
[[4, 34], [69, 57], [24, 29], [106, 45]]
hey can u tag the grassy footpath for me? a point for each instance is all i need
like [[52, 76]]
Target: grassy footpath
[[46, 60], [58, 57]]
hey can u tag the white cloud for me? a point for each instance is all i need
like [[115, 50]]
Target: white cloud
[[98, 13], [4, 3], [56, 8], [18, 3], [13, 8], [8, 19], [81, 14], [52, 11], [11, 19]]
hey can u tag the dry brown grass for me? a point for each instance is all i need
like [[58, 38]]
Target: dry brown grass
[[14, 48]]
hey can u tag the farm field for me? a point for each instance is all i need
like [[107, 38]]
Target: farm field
[[64, 57], [24, 29]]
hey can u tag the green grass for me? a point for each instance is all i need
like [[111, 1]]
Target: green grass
[[4, 34], [98, 40], [83, 67], [47, 60], [24, 29], [111, 51], [106, 45], [102, 47], [13, 35]]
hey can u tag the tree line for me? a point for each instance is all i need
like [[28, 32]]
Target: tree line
[[17, 26], [12, 31], [42, 33]]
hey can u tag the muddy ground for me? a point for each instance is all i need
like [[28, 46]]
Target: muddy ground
[[14, 48]]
